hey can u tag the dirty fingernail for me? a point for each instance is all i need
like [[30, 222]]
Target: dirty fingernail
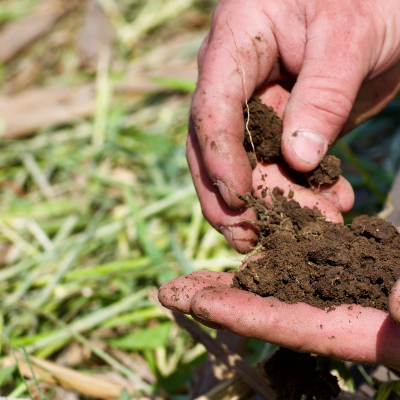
[[228, 236], [333, 199], [309, 146], [224, 192]]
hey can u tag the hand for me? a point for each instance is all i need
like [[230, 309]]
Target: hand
[[354, 333], [325, 67]]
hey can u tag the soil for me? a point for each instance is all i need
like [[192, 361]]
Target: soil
[[327, 171], [265, 127], [308, 259], [295, 374]]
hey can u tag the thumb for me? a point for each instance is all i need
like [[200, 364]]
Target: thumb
[[319, 106], [394, 303]]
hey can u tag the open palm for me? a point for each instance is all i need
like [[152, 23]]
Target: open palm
[[349, 332]]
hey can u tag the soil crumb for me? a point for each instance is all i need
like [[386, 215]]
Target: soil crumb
[[293, 375], [308, 259], [327, 171], [265, 128]]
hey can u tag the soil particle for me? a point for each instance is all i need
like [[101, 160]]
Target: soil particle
[[308, 259], [278, 192], [265, 128], [204, 313], [293, 375], [196, 121]]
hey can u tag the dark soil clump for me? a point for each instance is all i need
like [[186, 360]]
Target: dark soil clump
[[327, 172], [295, 374], [308, 259], [265, 127]]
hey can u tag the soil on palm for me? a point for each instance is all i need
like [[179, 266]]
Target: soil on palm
[[306, 258]]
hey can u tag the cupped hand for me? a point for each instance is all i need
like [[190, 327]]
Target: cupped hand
[[349, 332], [325, 67]]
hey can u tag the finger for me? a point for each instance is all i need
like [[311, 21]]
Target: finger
[[178, 293], [354, 333], [240, 235], [340, 194], [279, 176], [394, 303], [325, 91], [209, 324], [236, 62], [225, 278], [202, 51]]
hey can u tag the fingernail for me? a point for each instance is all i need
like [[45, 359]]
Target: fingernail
[[309, 146], [333, 199], [228, 236], [224, 192]]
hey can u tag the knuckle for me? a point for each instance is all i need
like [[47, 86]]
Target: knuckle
[[332, 104]]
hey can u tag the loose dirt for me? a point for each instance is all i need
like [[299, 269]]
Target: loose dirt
[[265, 127], [327, 171], [308, 259], [295, 374], [304, 257]]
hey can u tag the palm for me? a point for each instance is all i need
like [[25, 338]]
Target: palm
[[364, 335]]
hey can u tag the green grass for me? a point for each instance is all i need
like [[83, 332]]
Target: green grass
[[97, 212], [86, 244]]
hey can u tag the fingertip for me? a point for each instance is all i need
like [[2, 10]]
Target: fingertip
[[224, 191], [394, 303], [243, 237], [177, 294], [230, 196], [236, 310], [162, 295], [340, 194], [334, 215], [303, 149]]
